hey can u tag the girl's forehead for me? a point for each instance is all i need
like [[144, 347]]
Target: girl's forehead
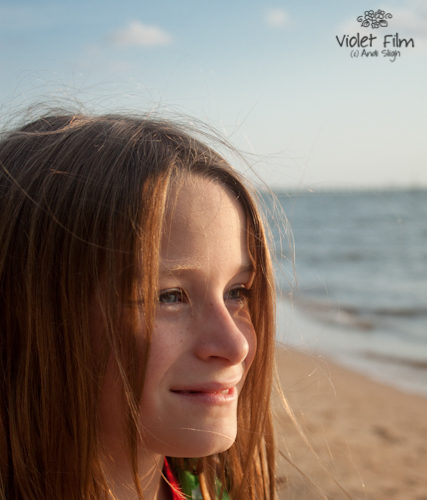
[[202, 202], [205, 221]]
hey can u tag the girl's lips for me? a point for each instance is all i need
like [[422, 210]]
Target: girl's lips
[[207, 396]]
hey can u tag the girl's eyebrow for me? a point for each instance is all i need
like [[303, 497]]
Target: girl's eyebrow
[[172, 267]]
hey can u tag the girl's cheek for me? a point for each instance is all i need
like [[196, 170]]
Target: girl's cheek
[[244, 322], [252, 341]]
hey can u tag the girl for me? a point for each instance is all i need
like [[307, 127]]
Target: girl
[[136, 313]]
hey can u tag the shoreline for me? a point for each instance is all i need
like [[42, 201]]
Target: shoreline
[[395, 365], [370, 438]]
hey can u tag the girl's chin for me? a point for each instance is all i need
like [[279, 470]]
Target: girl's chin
[[194, 443]]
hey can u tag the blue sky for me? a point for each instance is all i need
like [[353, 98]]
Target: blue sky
[[271, 77]]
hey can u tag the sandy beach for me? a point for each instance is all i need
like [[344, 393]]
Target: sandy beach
[[369, 441]]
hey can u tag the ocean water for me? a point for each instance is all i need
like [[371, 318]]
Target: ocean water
[[357, 288]]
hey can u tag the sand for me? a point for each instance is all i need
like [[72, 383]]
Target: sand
[[370, 439]]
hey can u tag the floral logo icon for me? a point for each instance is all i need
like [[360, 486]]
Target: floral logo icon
[[374, 19]]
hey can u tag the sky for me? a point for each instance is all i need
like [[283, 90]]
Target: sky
[[271, 77]]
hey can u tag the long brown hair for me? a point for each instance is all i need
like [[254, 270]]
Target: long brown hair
[[82, 200]]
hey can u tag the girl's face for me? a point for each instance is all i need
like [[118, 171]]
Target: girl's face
[[203, 341]]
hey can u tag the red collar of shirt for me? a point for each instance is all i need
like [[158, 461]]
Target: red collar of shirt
[[173, 483]]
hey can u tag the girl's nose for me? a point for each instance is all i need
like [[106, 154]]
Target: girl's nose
[[222, 335]]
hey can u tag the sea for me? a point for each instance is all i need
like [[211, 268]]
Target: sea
[[351, 276]]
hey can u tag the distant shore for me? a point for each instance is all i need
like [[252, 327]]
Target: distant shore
[[371, 439]]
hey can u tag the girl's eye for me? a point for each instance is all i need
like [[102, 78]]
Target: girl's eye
[[172, 296], [239, 293]]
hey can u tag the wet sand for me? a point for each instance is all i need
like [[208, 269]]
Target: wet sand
[[368, 439]]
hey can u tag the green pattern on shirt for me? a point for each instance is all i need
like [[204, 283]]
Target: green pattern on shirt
[[191, 487]]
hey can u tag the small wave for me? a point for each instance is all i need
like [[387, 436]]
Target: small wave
[[365, 318], [336, 314], [400, 312], [419, 364], [332, 258]]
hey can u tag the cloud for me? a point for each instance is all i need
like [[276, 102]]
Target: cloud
[[136, 34], [277, 18], [410, 19]]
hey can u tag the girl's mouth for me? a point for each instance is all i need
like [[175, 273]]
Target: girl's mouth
[[208, 396]]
